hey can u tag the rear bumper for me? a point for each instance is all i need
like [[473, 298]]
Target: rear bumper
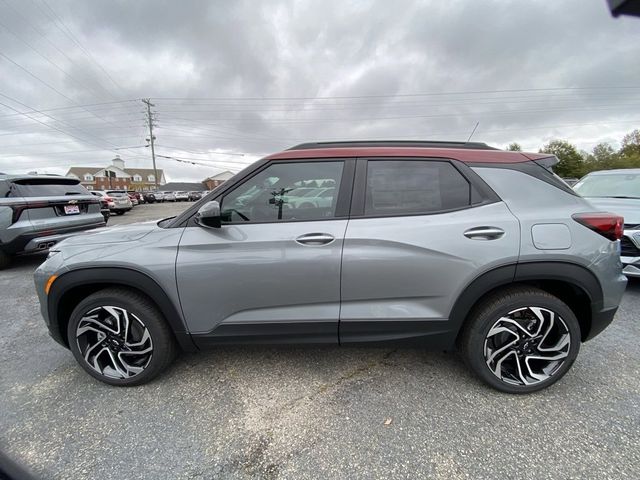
[[43, 241], [601, 320], [631, 266]]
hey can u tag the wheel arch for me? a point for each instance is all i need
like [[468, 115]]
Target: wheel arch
[[72, 287], [574, 284]]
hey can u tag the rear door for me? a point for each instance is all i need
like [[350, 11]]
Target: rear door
[[271, 273], [420, 231]]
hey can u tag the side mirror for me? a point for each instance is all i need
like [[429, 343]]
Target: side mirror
[[208, 215]]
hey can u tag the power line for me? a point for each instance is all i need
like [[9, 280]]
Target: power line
[[404, 95], [46, 39], [64, 72], [67, 31], [76, 107]]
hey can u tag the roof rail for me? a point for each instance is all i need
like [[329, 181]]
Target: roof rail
[[393, 143]]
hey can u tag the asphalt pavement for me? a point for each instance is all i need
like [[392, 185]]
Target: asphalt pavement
[[311, 412]]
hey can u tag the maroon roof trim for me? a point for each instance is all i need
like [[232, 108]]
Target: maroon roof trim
[[466, 155]]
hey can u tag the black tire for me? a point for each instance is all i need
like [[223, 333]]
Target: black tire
[[475, 343], [119, 212], [5, 260], [139, 308]]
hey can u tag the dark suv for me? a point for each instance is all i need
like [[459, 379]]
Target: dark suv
[[439, 244], [38, 211]]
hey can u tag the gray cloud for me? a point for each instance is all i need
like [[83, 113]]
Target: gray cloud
[[254, 77]]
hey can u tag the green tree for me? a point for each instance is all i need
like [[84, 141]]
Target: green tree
[[604, 157], [629, 154], [570, 162], [514, 147]]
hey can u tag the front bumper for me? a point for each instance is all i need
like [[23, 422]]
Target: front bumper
[[630, 253]]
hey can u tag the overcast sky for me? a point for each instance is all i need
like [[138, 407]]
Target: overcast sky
[[234, 80]]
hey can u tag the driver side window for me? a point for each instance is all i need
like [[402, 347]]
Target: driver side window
[[285, 191]]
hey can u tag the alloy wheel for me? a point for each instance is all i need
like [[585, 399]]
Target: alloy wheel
[[114, 342], [527, 346]]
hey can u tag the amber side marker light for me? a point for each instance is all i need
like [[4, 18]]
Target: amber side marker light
[[47, 286]]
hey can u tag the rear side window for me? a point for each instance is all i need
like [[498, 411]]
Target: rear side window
[[405, 187], [40, 187]]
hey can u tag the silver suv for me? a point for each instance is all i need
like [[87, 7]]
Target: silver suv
[[618, 191], [436, 243], [37, 211]]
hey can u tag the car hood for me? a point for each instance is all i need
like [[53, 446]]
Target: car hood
[[629, 208], [116, 234]]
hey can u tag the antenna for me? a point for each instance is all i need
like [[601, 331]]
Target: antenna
[[473, 131]]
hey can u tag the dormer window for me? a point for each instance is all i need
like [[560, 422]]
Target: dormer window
[[88, 177], [137, 178], [151, 178]]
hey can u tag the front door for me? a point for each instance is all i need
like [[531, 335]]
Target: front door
[[271, 273]]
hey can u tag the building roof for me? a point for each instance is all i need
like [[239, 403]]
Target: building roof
[[79, 171], [184, 187], [226, 175], [143, 172]]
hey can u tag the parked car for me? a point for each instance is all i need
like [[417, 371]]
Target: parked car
[[181, 196], [149, 197], [168, 197], [121, 201], [317, 197], [104, 205], [427, 242], [618, 191], [37, 211], [137, 195], [195, 196]]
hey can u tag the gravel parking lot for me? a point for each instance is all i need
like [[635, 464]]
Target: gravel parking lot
[[313, 412]]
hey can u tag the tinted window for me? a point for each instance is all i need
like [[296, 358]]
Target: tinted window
[[278, 193], [410, 186], [117, 193], [40, 187]]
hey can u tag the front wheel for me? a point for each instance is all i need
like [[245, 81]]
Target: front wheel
[[520, 340], [120, 338]]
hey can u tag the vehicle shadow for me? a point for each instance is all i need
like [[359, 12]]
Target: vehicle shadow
[[26, 262], [327, 364]]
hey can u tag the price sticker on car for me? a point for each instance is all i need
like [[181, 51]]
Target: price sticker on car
[[71, 209]]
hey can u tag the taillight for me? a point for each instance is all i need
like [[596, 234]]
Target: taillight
[[609, 225], [108, 199]]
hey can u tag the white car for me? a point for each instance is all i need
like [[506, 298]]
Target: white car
[[168, 197], [181, 196]]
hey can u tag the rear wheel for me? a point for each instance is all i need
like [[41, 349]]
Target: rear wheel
[[120, 338], [521, 340], [119, 212]]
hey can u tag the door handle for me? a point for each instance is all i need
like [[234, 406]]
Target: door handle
[[315, 239], [484, 233]]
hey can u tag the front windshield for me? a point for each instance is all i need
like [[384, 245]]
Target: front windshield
[[610, 185]]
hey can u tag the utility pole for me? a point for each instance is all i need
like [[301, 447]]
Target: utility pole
[[151, 139]]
